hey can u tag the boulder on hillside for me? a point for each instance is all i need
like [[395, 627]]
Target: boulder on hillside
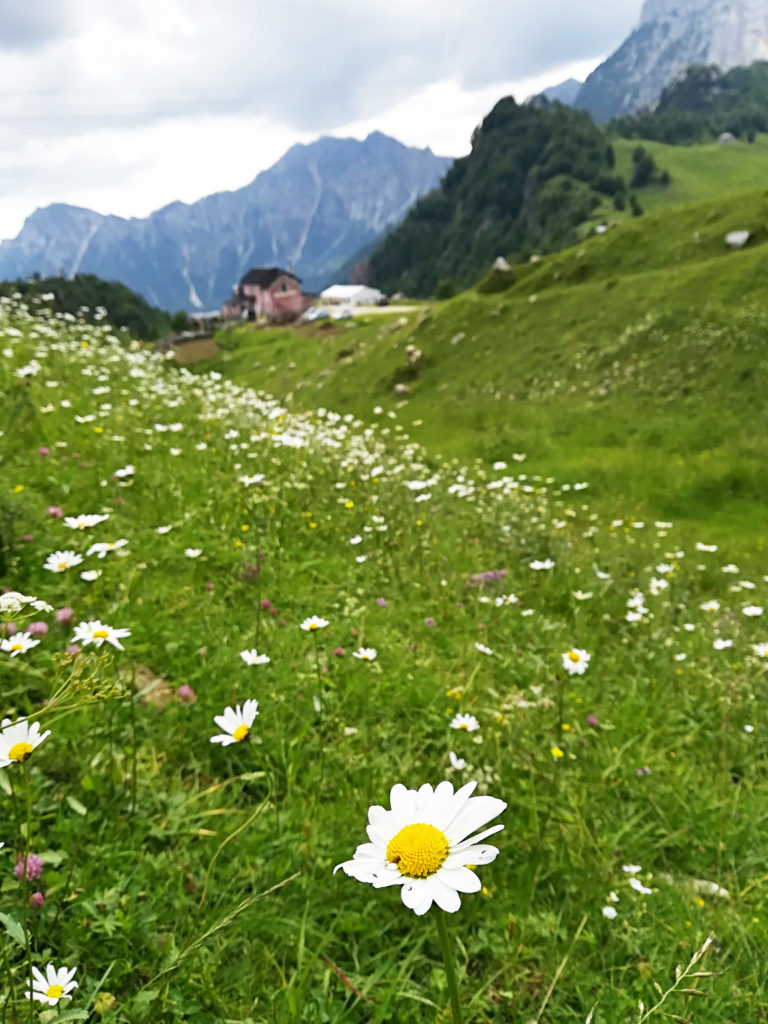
[[727, 139], [737, 239], [501, 264]]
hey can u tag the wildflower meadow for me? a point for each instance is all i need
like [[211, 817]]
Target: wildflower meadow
[[302, 723]]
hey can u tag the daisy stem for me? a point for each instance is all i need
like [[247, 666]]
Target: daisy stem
[[450, 973], [134, 756], [25, 909]]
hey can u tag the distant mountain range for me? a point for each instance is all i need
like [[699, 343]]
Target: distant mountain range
[[672, 35], [316, 207]]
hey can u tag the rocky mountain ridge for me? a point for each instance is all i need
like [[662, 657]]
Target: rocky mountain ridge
[[312, 210], [672, 35]]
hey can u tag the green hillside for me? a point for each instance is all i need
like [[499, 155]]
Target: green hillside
[[88, 296], [635, 360], [700, 172], [184, 761]]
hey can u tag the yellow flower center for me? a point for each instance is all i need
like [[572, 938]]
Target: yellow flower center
[[418, 850], [574, 655], [101, 634], [17, 647], [54, 991], [241, 732], [62, 565], [20, 751], [313, 625]]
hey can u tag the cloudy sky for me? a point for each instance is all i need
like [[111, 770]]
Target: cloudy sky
[[125, 105]]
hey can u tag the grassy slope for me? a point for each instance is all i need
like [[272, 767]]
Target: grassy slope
[[698, 172], [152, 837], [648, 383]]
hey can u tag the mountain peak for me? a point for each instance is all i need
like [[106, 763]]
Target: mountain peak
[[672, 35], [318, 205]]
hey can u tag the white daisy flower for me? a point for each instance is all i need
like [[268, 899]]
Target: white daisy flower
[[752, 611], [96, 632], [90, 575], [193, 552], [761, 650], [126, 471], [424, 844], [483, 649], [705, 547], [52, 986], [638, 886], [721, 645], [582, 595], [60, 561], [456, 762], [467, 723], [84, 522], [18, 739], [235, 723], [575, 661], [540, 564], [610, 912], [17, 644], [505, 599], [710, 606], [102, 549], [631, 869], [253, 657], [365, 654], [314, 623], [163, 529], [257, 478]]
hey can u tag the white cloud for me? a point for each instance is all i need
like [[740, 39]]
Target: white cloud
[[127, 106]]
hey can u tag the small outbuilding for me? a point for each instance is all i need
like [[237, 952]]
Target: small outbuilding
[[351, 295]]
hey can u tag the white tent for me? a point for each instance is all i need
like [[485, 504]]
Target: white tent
[[351, 295]]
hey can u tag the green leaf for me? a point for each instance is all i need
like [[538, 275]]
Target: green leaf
[[76, 806], [70, 1015], [14, 929]]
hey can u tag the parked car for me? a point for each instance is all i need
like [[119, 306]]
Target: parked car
[[316, 313]]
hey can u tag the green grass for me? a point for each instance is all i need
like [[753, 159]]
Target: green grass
[[698, 172], [162, 851], [635, 360]]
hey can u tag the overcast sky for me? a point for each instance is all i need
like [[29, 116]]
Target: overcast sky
[[125, 105]]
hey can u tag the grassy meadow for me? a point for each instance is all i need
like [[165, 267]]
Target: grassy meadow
[[635, 360], [191, 881]]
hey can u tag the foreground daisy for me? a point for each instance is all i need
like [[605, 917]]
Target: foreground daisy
[[314, 623], [18, 739], [236, 724], [575, 661], [17, 644], [365, 654], [97, 632], [52, 986], [254, 658], [425, 844], [761, 650], [60, 561]]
